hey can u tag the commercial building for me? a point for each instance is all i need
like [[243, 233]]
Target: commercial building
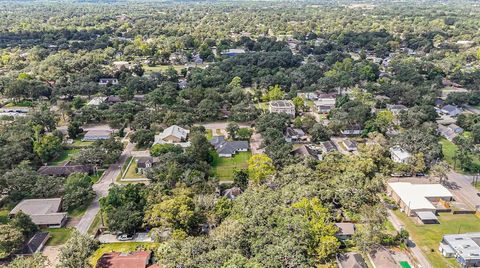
[[465, 248], [420, 200]]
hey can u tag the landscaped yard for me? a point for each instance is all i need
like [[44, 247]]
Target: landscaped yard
[[64, 157], [223, 167], [428, 236], [120, 247], [58, 235], [449, 149]]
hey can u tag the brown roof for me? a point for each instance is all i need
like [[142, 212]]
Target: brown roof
[[137, 259], [63, 170]]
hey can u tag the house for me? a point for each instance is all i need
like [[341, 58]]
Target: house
[[451, 110], [108, 81], [121, 64], [345, 230], [282, 106], [396, 108], [64, 171], [294, 134], [232, 193], [307, 151], [325, 102], [112, 99], [465, 248], [143, 163], [43, 212], [439, 102], [226, 148], [352, 130], [399, 155], [178, 58], [97, 134], [96, 101], [420, 200], [327, 147], [233, 52], [137, 259], [173, 134], [349, 145], [450, 132], [351, 260], [34, 245]]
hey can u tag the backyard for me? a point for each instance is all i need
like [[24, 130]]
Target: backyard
[[58, 235], [65, 156], [223, 167], [429, 236], [120, 247]]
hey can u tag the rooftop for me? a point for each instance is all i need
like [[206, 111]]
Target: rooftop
[[98, 132], [466, 245], [174, 131], [281, 104], [415, 195], [38, 206], [138, 259]]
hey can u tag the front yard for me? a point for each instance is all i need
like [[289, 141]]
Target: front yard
[[428, 236], [58, 235], [223, 167], [120, 247]]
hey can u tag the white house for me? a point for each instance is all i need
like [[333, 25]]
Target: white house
[[399, 155]]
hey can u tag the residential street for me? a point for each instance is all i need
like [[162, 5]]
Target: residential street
[[461, 185], [101, 189], [472, 109], [416, 251]]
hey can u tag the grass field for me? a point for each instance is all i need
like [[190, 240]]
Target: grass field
[[428, 236], [64, 157], [120, 247], [223, 167], [209, 134], [97, 221], [449, 149], [162, 68], [58, 235]]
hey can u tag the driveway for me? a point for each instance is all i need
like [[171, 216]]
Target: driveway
[[462, 187], [255, 143], [221, 125], [52, 253], [101, 189], [111, 238]]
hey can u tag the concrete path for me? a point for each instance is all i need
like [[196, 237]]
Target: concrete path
[[101, 189], [111, 238], [416, 251]]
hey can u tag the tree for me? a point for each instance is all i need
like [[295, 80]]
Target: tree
[[232, 129], [244, 133], [77, 251], [299, 103], [11, 239], [47, 147], [77, 191], [160, 149], [37, 260], [25, 224], [319, 133], [143, 137], [74, 129], [440, 170], [274, 93], [240, 178], [260, 167], [476, 133]]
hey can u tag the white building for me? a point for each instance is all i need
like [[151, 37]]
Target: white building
[[399, 155], [282, 106], [465, 248], [419, 199]]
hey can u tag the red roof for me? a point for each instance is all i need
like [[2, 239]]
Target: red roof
[[138, 259]]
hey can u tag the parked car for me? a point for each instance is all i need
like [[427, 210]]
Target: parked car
[[125, 237]]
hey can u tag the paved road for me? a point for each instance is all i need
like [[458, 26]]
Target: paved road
[[462, 187], [101, 189], [416, 251], [471, 109]]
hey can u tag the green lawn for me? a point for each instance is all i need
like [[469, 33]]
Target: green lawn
[[4, 216], [65, 156], [58, 235], [120, 247], [97, 221], [428, 236], [79, 211], [223, 167], [209, 134], [162, 68], [132, 171], [97, 176], [449, 149], [79, 143]]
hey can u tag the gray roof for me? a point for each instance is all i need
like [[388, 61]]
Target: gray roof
[[328, 146], [176, 131], [281, 103], [345, 228], [228, 147], [98, 133], [41, 211], [63, 171], [34, 244], [451, 109], [466, 245]]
